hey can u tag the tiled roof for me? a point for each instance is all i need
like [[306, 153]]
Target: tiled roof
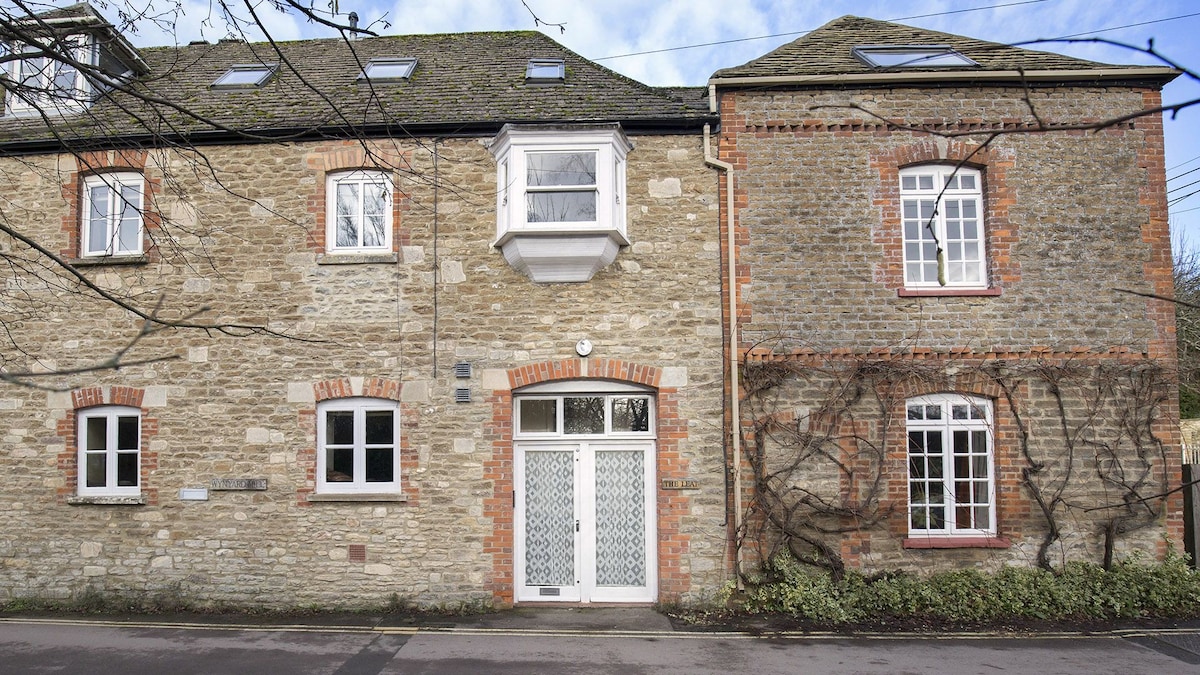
[[463, 83], [828, 51]]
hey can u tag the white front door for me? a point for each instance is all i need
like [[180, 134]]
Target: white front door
[[585, 521]]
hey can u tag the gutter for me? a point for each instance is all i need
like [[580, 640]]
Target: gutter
[[735, 413], [1160, 73]]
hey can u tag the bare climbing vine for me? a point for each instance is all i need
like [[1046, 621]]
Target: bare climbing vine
[[1079, 437]]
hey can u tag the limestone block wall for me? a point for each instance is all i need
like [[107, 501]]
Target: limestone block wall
[[241, 235]]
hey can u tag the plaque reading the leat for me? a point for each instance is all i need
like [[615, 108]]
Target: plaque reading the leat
[[679, 484]]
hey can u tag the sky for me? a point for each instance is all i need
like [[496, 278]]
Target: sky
[[682, 42]]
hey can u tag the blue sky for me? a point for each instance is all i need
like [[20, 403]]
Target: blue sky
[[617, 32]]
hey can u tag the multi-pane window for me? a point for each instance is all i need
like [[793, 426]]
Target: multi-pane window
[[112, 214], [109, 451], [560, 187], [951, 489], [584, 415], [942, 209], [360, 213], [45, 84], [550, 181], [358, 443]]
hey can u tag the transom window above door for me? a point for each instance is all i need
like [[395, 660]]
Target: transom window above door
[[585, 415]]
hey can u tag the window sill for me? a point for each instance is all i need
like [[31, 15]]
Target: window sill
[[357, 258], [956, 542], [99, 260], [356, 497], [107, 500], [947, 292]]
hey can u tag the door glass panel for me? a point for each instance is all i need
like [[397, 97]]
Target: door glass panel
[[583, 414], [550, 518], [631, 414], [539, 416], [620, 518]]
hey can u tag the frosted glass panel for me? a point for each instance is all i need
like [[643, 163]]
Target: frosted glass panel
[[620, 518], [550, 518]]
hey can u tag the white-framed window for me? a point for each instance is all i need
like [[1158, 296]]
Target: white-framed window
[[574, 415], [560, 181], [359, 212], [942, 208], [951, 484], [112, 214], [358, 446], [49, 85], [109, 451]]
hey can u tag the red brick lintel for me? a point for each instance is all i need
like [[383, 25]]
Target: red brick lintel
[[956, 542]]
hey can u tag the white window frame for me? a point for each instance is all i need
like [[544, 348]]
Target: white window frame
[[46, 97], [115, 213], [111, 415], [560, 409], [960, 252], [359, 406], [513, 148], [979, 411], [361, 178]]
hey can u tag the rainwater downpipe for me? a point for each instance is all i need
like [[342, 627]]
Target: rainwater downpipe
[[735, 415]]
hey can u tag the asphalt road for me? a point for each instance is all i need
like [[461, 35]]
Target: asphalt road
[[100, 648]]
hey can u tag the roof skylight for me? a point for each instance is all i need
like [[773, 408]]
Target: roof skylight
[[545, 71], [388, 69], [245, 76], [912, 56]]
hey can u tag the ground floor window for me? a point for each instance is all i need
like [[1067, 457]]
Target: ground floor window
[[109, 450], [358, 443], [951, 489]]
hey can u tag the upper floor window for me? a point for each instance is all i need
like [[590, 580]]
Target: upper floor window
[[358, 444], [942, 211], [109, 450], [359, 218], [560, 204], [44, 84], [951, 489], [112, 214]]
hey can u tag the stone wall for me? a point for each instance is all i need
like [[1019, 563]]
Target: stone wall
[[239, 236], [1072, 220]]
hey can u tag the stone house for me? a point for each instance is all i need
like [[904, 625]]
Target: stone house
[[947, 359], [468, 307]]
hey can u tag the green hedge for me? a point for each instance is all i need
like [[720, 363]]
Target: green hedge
[[1079, 592]]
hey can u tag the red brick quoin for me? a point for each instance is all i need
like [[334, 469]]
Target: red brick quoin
[[673, 544]]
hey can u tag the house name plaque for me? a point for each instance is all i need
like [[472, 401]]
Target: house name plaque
[[239, 484], [676, 484]]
